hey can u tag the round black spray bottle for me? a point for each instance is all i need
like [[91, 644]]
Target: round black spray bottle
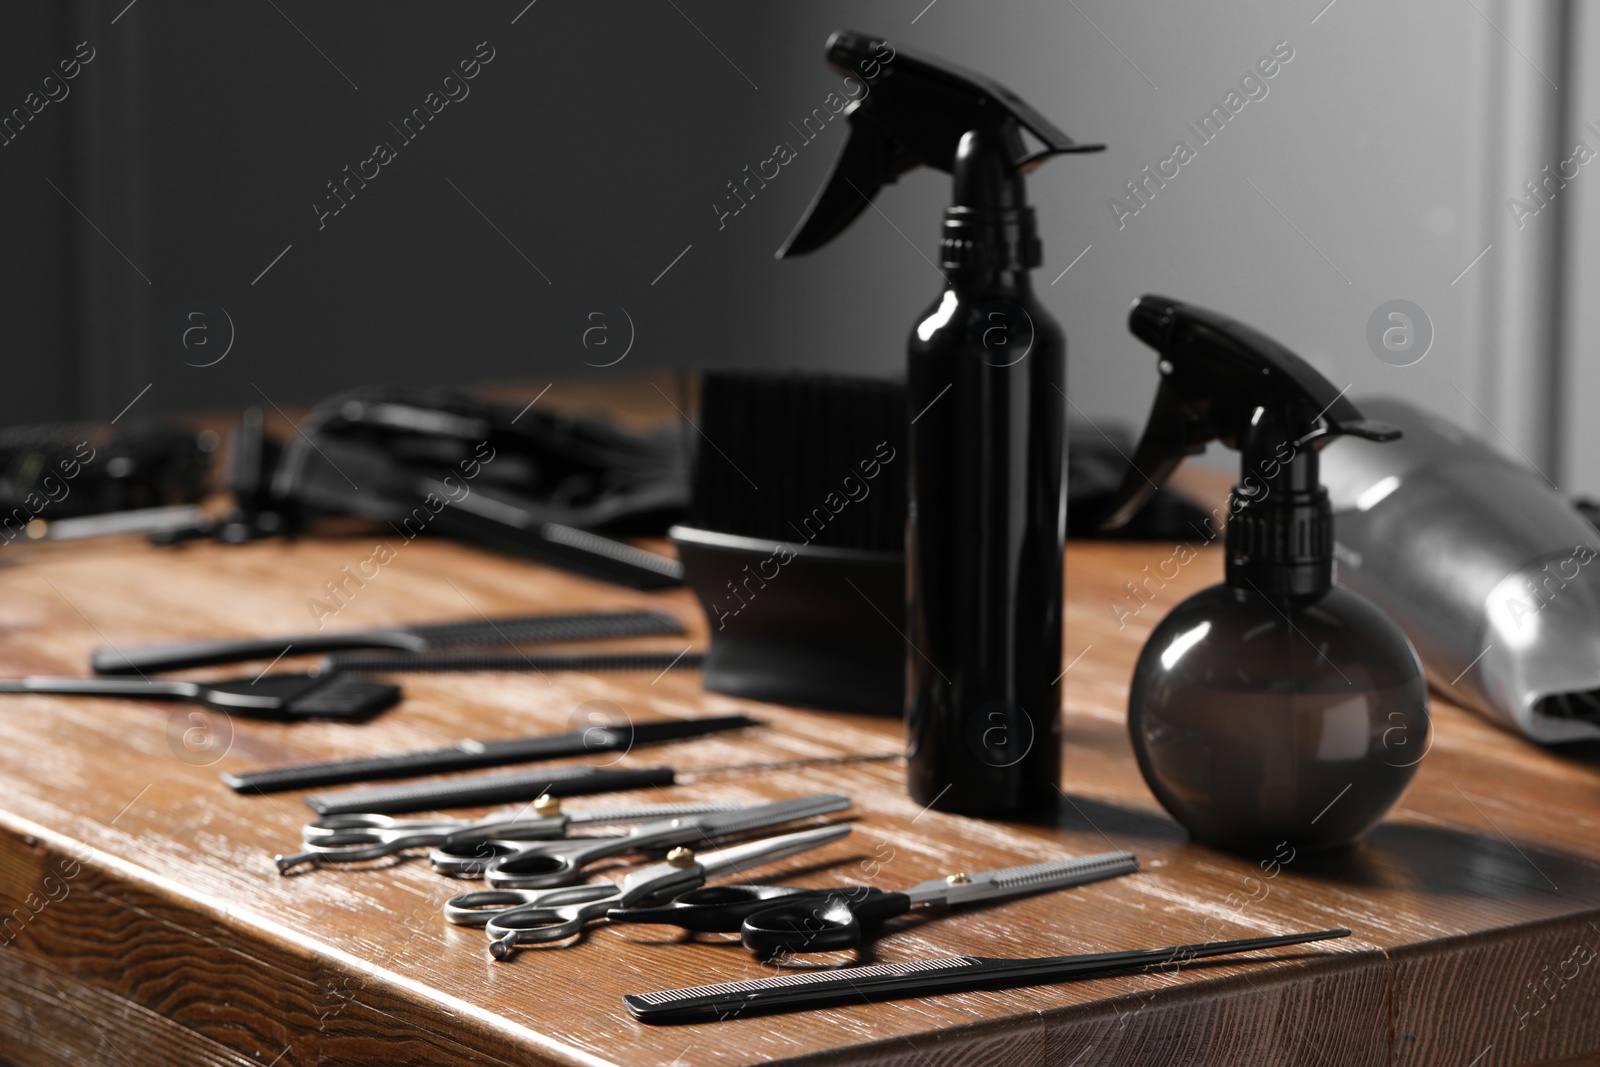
[[986, 399], [1276, 708]]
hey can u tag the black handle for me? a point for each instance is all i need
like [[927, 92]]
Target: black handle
[[826, 924], [516, 629], [474, 755], [374, 768], [486, 790], [547, 629], [722, 908], [648, 733], [177, 657], [504, 527]]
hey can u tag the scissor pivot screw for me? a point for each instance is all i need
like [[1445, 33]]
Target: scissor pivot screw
[[958, 879], [680, 858], [547, 806]]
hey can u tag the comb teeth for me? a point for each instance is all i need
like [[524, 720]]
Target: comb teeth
[[450, 792], [643, 812], [882, 970], [620, 551], [798, 437], [425, 662], [344, 696], [1089, 866], [549, 629]]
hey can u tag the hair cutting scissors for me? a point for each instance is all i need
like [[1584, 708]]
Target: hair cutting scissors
[[560, 863], [356, 838], [515, 917], [779, 918]]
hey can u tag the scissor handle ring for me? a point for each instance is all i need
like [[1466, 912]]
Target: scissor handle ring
[[468, 858], [820, 924], [561, 862], [534, 869], [354, 845], [478, 907], [351, 846], [541, 925]]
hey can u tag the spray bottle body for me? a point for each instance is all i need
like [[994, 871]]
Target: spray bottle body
[[1260, 720], [985, 383]]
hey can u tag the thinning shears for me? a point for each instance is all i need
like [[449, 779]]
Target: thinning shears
[[774, 919], [560, 863], [358, 838], [514, 917]]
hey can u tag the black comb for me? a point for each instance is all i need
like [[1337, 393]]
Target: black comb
[[469, 755], [273, 696], [518, 629], [476, 790], [920, 978], [427, 662], [487, 789]]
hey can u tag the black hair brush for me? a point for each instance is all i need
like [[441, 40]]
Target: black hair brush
[[284, 697], [794, 538]]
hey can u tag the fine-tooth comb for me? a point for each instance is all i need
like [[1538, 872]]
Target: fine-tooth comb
[[472, 753], [446, 793], [813, 989], [879, 970], [429, 662], [520, 629], [474, 790]]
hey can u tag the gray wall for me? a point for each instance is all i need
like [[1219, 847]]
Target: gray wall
[[596, 142], [1579, 381]]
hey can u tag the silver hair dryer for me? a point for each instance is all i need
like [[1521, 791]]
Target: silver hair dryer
[[1489, 570]]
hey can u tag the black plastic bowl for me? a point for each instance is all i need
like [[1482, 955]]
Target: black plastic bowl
[[800, 624]]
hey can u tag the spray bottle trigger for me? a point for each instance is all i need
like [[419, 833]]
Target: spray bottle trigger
[[1219, 379], [1174, 431], [914, 111], [870, 160]]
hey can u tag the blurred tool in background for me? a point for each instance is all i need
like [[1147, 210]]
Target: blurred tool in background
[[558, 489]]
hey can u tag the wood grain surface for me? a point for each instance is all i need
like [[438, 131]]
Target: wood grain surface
[[148, 924]]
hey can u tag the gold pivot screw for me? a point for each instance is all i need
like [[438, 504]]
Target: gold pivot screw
[[958, 879], [680, 858], [547, 806]]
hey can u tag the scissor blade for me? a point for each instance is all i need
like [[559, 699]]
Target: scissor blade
[[669, 878], [768, 850], [764, 815], [1029, 878], [537, 828]]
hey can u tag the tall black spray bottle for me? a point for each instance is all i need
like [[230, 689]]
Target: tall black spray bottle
[[986, 389]]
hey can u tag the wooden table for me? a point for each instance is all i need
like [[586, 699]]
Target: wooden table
[[148, 923]]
